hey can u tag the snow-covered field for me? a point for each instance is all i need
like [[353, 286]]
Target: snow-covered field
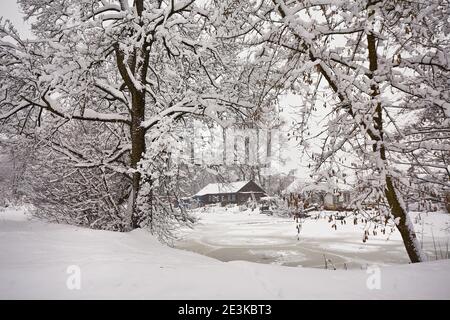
[[230, 234], [35, 258]]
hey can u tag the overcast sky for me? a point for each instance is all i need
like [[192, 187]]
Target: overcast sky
[[10, 10]]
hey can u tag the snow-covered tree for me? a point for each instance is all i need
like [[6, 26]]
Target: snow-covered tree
[[122, 70], [379, 70]]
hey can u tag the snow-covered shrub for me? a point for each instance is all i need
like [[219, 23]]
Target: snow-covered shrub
[[90, 197]]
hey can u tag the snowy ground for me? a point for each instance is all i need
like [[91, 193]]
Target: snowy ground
[[230, 234], [35, 257]]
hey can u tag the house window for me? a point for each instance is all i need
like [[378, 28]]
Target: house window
[[233, 197], [346, 197]]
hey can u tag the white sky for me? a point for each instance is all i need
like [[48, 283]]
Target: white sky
[[9, 9]]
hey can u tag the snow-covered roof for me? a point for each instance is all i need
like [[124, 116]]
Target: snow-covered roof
[[295, 187], [301, 185], [214, 188]]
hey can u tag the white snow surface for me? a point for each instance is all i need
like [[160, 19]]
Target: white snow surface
[[34, 257]]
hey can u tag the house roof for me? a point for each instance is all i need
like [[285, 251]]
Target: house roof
[[215, 188], [302, 185], [296, 186]]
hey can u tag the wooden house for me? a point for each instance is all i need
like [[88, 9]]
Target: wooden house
[[237, 192], [330, 197]]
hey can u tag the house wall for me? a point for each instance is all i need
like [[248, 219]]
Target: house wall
[[243, 197], [328, 201], [218, 198]]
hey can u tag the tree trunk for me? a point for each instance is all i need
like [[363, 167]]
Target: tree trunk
[[138, 64], [404, 224], [398, 210], [137, 151]]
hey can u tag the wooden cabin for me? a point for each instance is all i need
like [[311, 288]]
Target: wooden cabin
[[330, 197]]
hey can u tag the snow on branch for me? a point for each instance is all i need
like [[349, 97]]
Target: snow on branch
[[52, 105], [204, 104]]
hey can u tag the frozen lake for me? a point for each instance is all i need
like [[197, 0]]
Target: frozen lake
[[229, 235]]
